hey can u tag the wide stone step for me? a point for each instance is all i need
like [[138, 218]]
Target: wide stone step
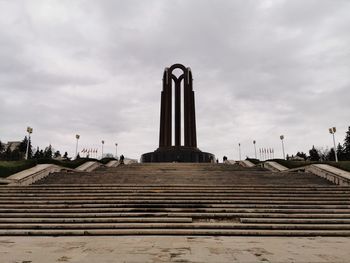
[[170, 187], [165, 195], [162, 200], [176, 226], [167, 191], [86, 202], [183, 232], [201, 215], [97, 220], [166, 209], [310, 206], [294, 221]]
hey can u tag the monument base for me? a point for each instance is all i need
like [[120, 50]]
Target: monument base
[[177, 154]]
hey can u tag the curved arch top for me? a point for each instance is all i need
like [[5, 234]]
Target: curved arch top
[[178, 66]]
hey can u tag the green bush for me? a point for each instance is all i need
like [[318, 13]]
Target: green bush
[[11, 167]]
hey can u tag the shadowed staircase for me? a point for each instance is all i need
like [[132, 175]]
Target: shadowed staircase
[[177, 199]]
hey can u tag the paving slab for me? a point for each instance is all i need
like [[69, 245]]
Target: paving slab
[[174, 249]]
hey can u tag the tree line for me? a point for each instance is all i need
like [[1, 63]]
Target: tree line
[[8, 154], [324, 154]]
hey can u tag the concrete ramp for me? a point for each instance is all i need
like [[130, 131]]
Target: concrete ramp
[[333, 174], [31, 175], [275, 167], [113, 163], [88, 166], [246, 163], [130, 161]]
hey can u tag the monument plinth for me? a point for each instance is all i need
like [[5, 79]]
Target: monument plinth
[[177, 152]]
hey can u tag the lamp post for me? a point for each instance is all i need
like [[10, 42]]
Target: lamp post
[[254, 142], [116, 151], [282, 138], [239, 150], [103, 142], [77, 136], [30, 131], [332, 131]]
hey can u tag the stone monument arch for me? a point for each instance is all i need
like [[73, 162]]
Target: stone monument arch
[[166, 129], [167, 152]]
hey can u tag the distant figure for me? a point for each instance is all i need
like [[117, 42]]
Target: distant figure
[[121, 159], [217, 160]]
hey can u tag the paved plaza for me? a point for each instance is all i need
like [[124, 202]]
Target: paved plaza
[[173, 249]]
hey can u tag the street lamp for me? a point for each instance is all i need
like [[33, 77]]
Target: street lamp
[[77, 136], [254, 142], [282, 138], [116, 151], [239, 150], [332, 131], [103, 142], [30, 131]]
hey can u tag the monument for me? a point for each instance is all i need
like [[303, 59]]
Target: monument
[[167, 152]]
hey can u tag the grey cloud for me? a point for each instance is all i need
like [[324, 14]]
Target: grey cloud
[[260, 69]]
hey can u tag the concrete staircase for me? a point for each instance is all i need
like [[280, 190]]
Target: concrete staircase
[[206, 200]]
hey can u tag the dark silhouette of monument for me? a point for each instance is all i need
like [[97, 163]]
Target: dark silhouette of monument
[[166, 151]]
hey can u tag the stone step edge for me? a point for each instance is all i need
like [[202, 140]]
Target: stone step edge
[[181, 232], [293, 221], [156, 225], [164, 214], [310, 206], [102, 202], [165, 195], [73, 211], [97, 220], [178, 186], [157, 191]]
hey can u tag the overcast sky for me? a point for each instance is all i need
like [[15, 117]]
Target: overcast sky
[[260, 68]]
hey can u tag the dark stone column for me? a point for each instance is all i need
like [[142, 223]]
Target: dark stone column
[[186, 112], [177, 113], [166, 119], [193, 121], [162, 120], [169, 115]]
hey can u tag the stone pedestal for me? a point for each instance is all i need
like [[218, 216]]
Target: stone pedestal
[[177, 154]]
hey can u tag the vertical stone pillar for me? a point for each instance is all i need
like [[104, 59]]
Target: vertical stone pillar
[[187, 108], [162, 120], [193, 132], [178, 113], [193, 122], [165, 111], [168, 113]]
